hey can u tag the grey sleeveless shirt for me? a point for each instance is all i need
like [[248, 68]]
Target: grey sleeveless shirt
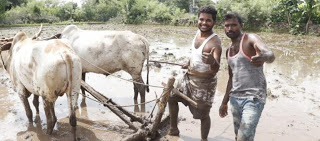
[[248, 81]]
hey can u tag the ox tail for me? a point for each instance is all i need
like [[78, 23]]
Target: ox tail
[[144, 40], [73, 85]]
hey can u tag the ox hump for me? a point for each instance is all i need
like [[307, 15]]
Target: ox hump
[[69, 29], [19, 37], [55, 46]]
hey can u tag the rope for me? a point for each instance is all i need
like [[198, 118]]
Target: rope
[[120, 77], [151, 113], [156, 99]]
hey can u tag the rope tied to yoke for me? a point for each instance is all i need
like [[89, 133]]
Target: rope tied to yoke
[[120, 77], [156, 99]]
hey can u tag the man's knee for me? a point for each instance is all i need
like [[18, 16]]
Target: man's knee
[[172, 101], [205, 117], [246, 132]]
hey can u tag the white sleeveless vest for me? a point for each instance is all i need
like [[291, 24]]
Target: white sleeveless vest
[[196, 64]]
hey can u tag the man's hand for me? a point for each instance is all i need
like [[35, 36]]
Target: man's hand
[[223, 110], [257, 60], [185, 66], [208, 58]]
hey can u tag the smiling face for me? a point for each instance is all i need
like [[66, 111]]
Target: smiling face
[[205, 22], [232, 28]]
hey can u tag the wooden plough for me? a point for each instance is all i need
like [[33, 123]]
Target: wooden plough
[[148, 130]]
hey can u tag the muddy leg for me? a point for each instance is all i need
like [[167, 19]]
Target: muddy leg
[[83, 106], [24, 98], [142, 91], [205, 127], [82, 89], [173, 111], [136, 107], [72, 104], [73, 119], [36, 102], [53, 115], [136, 91], [48, 109], [36, 105]]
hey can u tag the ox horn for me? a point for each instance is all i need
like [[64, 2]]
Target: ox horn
[[57, 36], [38, 34]]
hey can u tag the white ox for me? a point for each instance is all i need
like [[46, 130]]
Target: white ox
[[110, 51], [43, 68]]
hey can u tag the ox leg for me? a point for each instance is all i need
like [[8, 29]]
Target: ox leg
[[72, 109], [51, 119], [82, 89], [24, 98], [136, 91], [136, 107], [36, 103], [141, 89]]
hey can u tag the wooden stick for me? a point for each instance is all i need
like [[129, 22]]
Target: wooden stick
[[166, 62], [143, 134], [133, 118], [183, 96], [107, 103], [162, 105]]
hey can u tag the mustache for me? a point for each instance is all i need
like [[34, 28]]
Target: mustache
[[230, 32]]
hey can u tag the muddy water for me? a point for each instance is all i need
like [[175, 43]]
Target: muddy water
[[291, 113]]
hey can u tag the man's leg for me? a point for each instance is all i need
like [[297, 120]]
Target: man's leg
[[236, 110], [252, 110], [173, 111], [205, 128]]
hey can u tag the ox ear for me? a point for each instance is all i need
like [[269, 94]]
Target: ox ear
[[6, 46]]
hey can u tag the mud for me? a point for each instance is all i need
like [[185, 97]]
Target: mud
[[292, 111]]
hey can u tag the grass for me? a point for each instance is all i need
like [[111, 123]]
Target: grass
[[50, 24]]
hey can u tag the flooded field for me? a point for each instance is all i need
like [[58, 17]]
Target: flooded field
[[292, 111]]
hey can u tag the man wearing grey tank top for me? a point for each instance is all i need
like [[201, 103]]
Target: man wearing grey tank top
[[247, 86]]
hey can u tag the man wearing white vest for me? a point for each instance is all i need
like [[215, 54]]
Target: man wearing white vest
[[200, 81]]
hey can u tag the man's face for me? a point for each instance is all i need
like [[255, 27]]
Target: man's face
[[232, 28], [205, 22]]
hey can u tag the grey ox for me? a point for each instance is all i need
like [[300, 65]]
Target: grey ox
[[43, 68], [107, 52]]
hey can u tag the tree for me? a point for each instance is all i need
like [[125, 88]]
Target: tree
[[310, 9], [17, 2], [3, 4]]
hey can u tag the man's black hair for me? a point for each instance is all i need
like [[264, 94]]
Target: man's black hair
[[232, 15], [209, 10]]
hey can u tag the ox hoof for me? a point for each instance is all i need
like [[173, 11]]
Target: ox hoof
[[174, 132], [73, 121], [49, 131]]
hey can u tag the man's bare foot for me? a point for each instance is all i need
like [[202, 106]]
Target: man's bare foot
[[174, 132], [204, 139]]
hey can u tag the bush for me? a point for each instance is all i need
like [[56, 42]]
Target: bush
[[159, 12], [255, 13]]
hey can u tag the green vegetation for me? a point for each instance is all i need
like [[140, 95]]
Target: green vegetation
[[294, 16]]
